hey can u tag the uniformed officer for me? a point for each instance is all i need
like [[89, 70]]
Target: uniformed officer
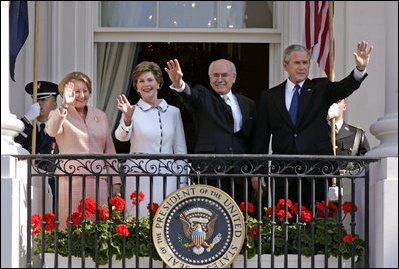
[[350, 140], [46, 101]]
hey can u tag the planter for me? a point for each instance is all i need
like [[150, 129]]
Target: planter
[[238, 263], [89, 263], [292, 262]]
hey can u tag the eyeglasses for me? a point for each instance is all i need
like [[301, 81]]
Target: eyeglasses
[[223, 75]]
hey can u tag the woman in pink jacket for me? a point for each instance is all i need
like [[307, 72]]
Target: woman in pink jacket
[[81, 129]]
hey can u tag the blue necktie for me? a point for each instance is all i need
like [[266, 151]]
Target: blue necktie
[[294, 104]]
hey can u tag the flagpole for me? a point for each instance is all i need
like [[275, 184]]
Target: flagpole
[[332, 75], [35, 70]]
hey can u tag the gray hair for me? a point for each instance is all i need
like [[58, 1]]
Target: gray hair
[[291, 48], [233, 67]]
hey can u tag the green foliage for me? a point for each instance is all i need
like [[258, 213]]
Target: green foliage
[[101, 237], [335, 244]]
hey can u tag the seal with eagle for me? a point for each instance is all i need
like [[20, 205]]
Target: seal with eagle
[[198, 225]]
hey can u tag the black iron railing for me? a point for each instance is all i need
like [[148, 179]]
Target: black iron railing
[[276, 170]]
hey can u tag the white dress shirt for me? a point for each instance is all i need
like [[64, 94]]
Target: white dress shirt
[[289, 92], [231, 100]]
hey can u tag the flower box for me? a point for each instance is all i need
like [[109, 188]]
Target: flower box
[[89, 263], [238, 263], [292, 261]]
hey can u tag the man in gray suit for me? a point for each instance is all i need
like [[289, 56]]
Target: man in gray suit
[[224, 119], [294, 112]]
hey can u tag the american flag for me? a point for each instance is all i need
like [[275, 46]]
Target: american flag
[[317, 33]]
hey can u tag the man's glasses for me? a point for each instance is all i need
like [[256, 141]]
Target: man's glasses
[[223, 75]]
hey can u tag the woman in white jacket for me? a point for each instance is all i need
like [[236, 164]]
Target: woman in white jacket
[[153, 127]]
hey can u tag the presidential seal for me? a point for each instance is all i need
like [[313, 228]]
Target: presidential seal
[[198, 226]]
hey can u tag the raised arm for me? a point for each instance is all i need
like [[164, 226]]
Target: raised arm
[[362, 56], [175, 73], [126, 108]]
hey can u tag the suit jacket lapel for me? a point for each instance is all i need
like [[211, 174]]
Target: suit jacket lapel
[[304, 98], [243, 108]]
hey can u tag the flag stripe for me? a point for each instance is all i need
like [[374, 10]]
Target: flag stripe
[[317, 33]]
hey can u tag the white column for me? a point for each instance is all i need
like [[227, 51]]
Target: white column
[[13, 172], [384, 173], [384, 213], [386, 128], [10, 125]]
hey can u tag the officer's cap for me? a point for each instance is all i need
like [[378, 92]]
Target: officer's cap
[[44, 89]]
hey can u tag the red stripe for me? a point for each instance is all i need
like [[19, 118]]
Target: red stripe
[[317, 32]]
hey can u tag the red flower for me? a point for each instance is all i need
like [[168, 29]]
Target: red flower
[[253, 232], [155, 207], [281, 214], [76, 218], [118, 202], [281, 204], [133, 197], [347, 207], [306, 216], [122, 230], [36, 230], [250, 207], [50, 218], [103, 214], [90, 207], [349, 237], [320, 208], [332, 209], [35, 220], [269, 211], [294, 209]]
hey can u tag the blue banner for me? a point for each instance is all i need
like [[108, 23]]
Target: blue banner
[[19, 30]]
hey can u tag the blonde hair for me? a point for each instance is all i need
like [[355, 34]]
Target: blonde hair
[[144, 67], [73, 77]]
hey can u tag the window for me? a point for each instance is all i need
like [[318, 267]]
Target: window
[[187, 14]]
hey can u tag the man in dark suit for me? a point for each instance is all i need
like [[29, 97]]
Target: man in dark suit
[[46, 101], [294, 113], [224, 119]]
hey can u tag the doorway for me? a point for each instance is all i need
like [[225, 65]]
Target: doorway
[[251, 60]]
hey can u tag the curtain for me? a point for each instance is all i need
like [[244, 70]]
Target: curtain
[[115, 62]]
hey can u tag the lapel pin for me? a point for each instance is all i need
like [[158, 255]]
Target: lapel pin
[[96, 119], [309, 90]]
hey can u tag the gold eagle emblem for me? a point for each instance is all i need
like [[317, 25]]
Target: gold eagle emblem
[[198, 226]]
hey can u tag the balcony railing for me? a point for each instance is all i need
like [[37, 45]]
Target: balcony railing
[[202, 168]]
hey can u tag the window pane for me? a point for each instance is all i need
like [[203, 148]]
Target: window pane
[[128, 13], [246, 14], [187, 14]]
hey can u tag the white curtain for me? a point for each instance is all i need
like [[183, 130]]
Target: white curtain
[[115, 61]]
